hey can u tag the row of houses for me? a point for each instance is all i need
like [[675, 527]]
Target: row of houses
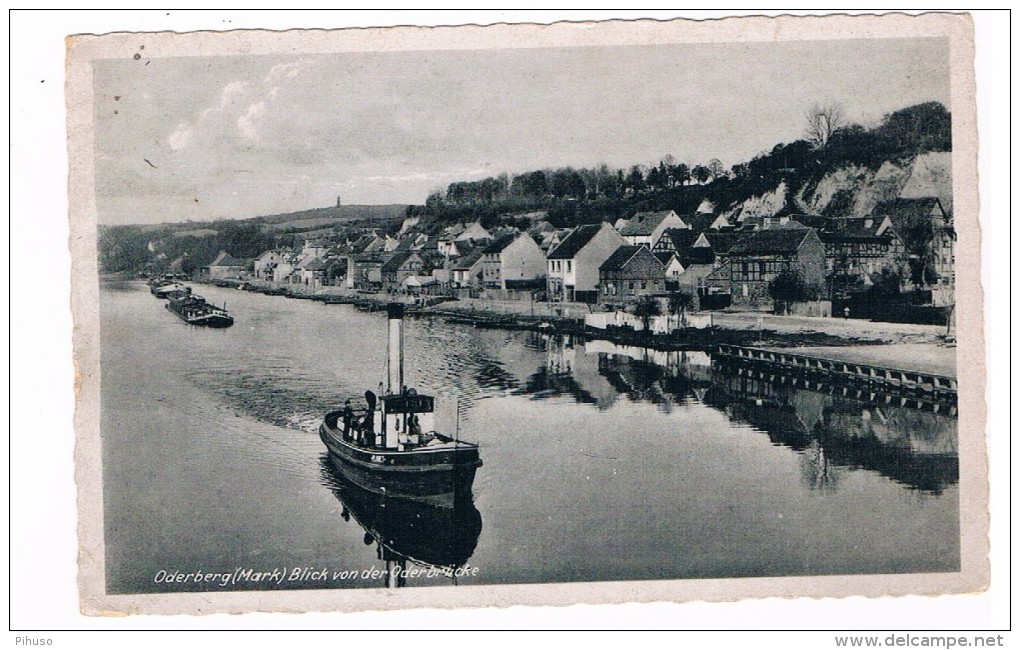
[[660, 252], [652, 253]]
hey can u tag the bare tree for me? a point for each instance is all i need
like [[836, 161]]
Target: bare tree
[[822, 122], [715, 166]]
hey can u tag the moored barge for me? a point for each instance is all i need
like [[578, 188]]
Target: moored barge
[[194, 310]]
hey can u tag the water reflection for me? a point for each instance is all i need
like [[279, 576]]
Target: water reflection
[[436, 541], [914, 447]]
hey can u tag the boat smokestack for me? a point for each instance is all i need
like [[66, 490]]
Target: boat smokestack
[[395, 362]]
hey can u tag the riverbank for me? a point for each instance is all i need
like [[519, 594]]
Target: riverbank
[[923, 348]]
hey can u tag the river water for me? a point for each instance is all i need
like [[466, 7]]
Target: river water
[[600, 462]]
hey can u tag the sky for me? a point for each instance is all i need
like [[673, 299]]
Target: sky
[[200, 138]]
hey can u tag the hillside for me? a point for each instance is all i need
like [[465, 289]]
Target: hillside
[[320, 217], [189, 246], [847, 173], [854, 191]]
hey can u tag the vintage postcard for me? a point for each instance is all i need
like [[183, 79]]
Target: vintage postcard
[[605, 312]]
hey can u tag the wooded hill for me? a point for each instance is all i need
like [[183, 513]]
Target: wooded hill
[[576, 196], [133, 248]]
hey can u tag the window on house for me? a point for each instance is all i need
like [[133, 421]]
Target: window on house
[[644, 284], [568, 266]]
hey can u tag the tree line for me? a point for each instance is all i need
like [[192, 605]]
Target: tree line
[[586, 195]]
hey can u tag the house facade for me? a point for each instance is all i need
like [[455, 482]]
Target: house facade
[[714, 248], [678, 241], [367, 271], [757, 258], [572, 268], [311, 272], [512, 257], [265, 263], [860, 247], [466, 271], [673, 269], [926, 229], [399, 266], [225, 266], [647, 227], [631, 272]]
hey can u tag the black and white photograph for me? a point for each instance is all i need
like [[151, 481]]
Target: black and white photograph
[[689, 311]]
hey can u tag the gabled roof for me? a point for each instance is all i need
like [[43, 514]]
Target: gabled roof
[[858, 228], [700, 222], [397, 259], [474, 231], [468, 260], [906, 215], [315, 265], [771, 241], [681, 237], [271, 251], [817, 221], [454, 230], [225, 259], [722, 242], [621, 257], [665, 257], [574, 242], [334, 262], [361, 243], [541, 227], [500, 244], [644, 223]]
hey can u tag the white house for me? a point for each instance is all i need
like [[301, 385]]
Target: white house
[[572, 268], [510, 258], [266, 262], [647, 227]]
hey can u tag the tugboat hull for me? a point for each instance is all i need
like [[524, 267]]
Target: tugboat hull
[[439, 476]]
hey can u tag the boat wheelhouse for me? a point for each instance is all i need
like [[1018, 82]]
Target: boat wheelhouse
[[392, 446]]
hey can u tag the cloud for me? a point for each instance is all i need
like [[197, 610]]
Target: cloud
[[240, 115], [248, 124]]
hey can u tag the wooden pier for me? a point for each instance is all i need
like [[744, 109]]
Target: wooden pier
[[858, 380]]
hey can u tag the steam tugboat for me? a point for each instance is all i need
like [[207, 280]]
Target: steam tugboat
[[391, 447], [194, 310]]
